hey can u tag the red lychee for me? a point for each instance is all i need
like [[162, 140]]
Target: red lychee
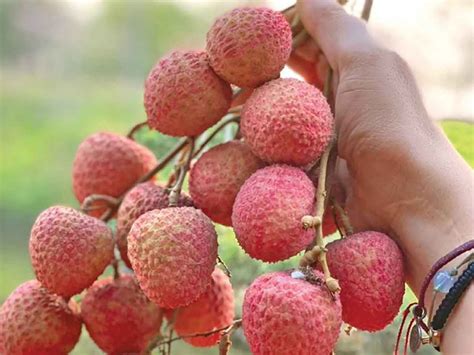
[[369, 268], [329, 223], [287, 121], [36, 322], [173, 252], [183, 95], [214, 309], [69, 249], [217, 176], [142, 198], [108, 164], [249, 46], [267, 213], [119, 317], [285, 313]]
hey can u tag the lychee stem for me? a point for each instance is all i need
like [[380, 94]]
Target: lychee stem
[[237, 323], [220, 126], [226, 269], [172, 153], [136, 128], [346, 223], [183, 167], [318, 252], [366, 10], [225, 343]]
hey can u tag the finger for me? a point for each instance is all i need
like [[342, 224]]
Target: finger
[[306, 69], [338, 34]]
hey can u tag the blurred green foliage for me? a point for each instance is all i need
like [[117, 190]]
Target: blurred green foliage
[[62, 82]]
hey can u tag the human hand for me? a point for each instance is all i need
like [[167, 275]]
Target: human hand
[[398, 171], [390, 149]]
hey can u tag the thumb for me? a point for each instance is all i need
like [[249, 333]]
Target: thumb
[[339, 34]]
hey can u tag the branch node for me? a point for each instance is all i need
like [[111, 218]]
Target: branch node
[[332, 284], [310, 221]]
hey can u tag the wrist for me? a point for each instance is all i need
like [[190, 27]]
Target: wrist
[[437, 212]]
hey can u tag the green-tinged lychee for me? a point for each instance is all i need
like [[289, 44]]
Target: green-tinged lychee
[[173, 252]]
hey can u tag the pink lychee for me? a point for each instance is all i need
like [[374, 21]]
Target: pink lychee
[[36, 322], [217, 177], [249, 46], [69, 249], [119, 317], [288, 313], [183, 95], [287, 121], [369, 268], [267, 213], [142, 198], [214, 309], [173, 252], [108, 164]]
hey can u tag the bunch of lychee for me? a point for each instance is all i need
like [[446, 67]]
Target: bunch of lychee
[[261, 184]]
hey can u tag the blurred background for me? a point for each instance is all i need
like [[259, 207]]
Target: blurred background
[[69, 68]]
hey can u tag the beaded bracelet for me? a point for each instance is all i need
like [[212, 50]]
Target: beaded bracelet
[[450, 301], [416, 327]]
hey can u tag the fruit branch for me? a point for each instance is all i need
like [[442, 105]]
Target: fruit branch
[[318, 251], [182, 143], [225, 343], [227, 329], [220, 126], [136, 128], [183, 167]]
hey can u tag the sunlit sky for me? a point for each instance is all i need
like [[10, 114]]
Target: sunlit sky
[[434, 36]]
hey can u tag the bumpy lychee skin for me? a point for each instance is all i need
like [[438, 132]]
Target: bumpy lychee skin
[[217, 177], [142, 198], [329, 224], [36, 322], [69, 249], [119, 317], [249, 46], [287, 121], [286, 315], [183, 95], [173, 252], [267, 213], [108, 164], [214, 309], [369, 268]]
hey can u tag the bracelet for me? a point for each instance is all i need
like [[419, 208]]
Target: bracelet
[[449, 302], [416, 327]]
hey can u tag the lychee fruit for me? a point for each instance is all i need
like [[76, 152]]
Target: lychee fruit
[[217, 177], [183, 95], [142, 198], [108, 164], [36, 322], [267, 213], [369, 268], [249, 46], [291, 313], [329, 223], [287, 121], [173, 252], [69, 249], [214, 309], [119, 317]]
